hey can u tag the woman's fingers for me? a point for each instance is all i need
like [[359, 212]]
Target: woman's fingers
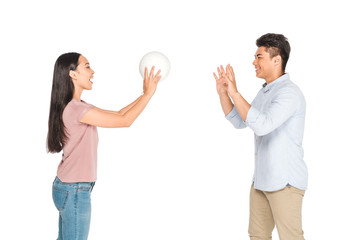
[[146, 70], [157, 74], [152, 72], [157, 79]]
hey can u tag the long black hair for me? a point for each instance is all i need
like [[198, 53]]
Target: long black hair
[[61, 94]]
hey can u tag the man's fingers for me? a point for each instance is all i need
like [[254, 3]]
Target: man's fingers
[[216, 78]]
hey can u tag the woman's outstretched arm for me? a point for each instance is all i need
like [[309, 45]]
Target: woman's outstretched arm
[[126, 116], [123, 110]]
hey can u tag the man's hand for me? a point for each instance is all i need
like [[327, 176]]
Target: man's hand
[[221, 86], [229, 77]]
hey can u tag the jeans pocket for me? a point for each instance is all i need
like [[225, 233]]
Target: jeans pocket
[[60, 198], [84, 189]]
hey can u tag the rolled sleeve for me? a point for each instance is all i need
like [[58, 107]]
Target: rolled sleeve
[[235, 119], [252, 115], [281, 108]]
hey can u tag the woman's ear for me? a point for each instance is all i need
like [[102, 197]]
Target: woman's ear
[[73, 74]]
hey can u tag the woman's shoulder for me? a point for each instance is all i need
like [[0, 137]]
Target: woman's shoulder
[[75, 104], [76, 107], [75, 110]]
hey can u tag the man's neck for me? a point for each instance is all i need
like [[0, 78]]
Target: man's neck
[[273, 77]]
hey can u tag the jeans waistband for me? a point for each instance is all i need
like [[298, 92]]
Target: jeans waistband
[[75, 184]]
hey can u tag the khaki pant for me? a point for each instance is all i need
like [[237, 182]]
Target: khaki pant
[[281, 208]]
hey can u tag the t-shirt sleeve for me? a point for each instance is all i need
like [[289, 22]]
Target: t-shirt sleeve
[[77, 111], [83, 110]]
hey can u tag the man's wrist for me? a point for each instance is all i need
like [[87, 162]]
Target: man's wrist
[[223, 94], [235, 95]]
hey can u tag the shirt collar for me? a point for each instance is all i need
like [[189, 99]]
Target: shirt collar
[[282, 78]]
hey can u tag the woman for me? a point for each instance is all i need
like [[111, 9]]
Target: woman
[[72, 128]]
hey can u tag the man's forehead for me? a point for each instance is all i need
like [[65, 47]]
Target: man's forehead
[[261, 51]]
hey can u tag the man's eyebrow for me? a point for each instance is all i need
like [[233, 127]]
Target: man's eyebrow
[[257, 55]]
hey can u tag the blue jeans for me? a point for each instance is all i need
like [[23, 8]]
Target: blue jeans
[[73, 201]]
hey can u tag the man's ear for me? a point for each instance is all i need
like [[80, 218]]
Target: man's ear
[[277, 59], [73, 74]]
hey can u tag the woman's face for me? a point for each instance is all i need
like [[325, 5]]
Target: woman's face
[[83, 73]]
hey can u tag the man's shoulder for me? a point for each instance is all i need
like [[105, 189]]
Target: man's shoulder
[[289, 89], [289, 86]]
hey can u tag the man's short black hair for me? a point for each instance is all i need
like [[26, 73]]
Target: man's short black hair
[[275, 44]]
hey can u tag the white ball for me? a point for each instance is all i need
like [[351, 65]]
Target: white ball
[[158, 60]]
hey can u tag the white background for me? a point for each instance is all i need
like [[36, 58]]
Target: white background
[[181, 171]]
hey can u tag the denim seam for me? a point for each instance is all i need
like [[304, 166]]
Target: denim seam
[[84, 189], [65, 200], [67, 184], [76, 214]]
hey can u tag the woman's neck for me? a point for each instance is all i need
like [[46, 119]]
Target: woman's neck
[[77, 93]]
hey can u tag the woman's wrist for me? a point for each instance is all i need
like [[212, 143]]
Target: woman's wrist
[[146, 95]]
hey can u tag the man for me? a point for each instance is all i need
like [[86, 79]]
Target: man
[[277, 116]]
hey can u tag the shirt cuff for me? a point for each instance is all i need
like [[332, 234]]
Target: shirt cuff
[[232, 114], [252, 115]]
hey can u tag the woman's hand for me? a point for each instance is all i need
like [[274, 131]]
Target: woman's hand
[[151, 81]]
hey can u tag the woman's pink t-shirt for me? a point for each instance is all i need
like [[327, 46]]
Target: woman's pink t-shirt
[[79, 161]]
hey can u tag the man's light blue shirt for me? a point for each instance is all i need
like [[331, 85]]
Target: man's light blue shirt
[[277, 117]]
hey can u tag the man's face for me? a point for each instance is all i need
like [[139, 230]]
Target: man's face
[[264, 64]]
